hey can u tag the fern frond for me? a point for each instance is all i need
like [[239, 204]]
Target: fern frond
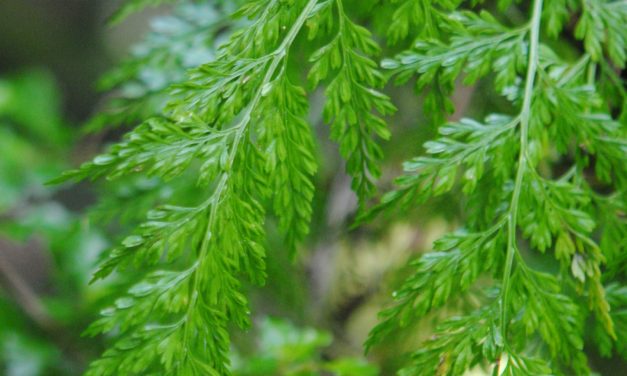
[[352, 98], [426, 18], [466, 255], [474, 336], [290, 157], [562, 116], [602, 26], [555, 316], [177, 321], [479, 46], [540, 181], [617, 298], [466, 144]]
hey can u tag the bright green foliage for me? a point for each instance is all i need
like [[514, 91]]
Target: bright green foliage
[[617, 297], [479, 46], [463, 254], [602, 26], [291, 158], [530, 321], [473, 337], [191, 309], [239, 121], [541, 177], [424, 18], [351, 94], [554, 316], [465, 144]]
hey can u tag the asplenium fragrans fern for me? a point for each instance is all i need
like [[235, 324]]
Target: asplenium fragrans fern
[[564, 112], [240, 122], [233, 116]]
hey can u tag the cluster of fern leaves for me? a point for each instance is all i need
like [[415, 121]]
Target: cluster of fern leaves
[[564, 112], [240, 121], [236, 115]]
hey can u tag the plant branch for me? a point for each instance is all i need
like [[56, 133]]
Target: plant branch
[[277, 56], [532, 68]]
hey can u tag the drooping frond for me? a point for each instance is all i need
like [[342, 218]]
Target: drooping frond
[[531, 324]]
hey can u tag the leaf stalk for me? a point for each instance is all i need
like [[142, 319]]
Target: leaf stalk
[[525, 114]]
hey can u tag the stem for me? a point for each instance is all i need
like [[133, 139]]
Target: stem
[[525, 113], [277, 56]]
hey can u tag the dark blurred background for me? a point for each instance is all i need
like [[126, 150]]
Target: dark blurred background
[[63, 37], [68, 39]]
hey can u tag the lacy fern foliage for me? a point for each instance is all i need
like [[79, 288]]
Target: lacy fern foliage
[[542, 176], [240, 121], [531, 321]]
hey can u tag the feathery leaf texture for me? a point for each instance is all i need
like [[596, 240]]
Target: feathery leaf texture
[[426, 18], [352, 95], [529, 322], [236, 113], [478, 46], [240, 121]]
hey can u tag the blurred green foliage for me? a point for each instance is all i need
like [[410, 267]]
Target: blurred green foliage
[[33, 137], [284, 349], [42, 241]]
